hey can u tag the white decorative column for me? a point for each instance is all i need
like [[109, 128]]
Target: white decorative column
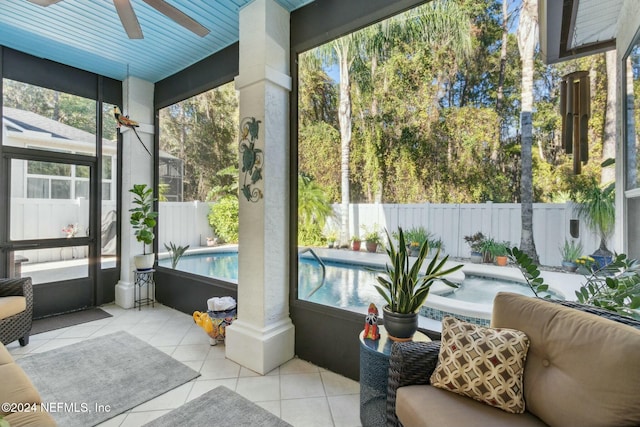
[[262, 338], [137, 168]]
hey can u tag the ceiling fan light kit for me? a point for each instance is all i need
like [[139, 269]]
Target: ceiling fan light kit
[[130, 21]]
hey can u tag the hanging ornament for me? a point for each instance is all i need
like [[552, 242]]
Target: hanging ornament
[[575, 109]]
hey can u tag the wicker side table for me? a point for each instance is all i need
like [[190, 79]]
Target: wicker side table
[[374, 367]]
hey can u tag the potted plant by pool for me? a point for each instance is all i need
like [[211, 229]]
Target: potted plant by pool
[[570, 252], [498, 251], [371, 239], [143, 220], [475, 242], [332, 239], [415, 238], [355, 243], [485, 249], [405, 287], [597, 206]]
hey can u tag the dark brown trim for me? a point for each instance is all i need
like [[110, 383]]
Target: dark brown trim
[[209, 73], [569, 11], [324, 20], [30, 69], [325, 336]]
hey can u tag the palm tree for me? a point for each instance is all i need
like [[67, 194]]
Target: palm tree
[[343, 52], [313, 207], [527, 40], [437, 23]]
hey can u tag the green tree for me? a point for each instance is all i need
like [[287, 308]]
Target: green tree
[[313, 211], [223, 218], [202, 131]]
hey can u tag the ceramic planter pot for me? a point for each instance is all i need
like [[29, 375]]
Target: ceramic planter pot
[[400, 327], [569, 266], [355, 245], [476, 257], [144, 262], [602, 260], [371, 246]]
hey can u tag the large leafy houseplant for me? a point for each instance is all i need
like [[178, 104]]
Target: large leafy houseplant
[[614, 287], [403, 286], [143, 221]]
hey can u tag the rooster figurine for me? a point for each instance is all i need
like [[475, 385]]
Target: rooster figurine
[[127, 122], [371, 323]]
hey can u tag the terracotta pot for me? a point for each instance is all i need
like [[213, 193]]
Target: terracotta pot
[[355, 245], [371, 246], [501, 260]]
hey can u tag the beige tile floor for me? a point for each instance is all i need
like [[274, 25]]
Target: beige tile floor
[[298, 392]]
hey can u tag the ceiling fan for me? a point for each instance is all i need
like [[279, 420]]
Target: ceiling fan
[[130, 20]]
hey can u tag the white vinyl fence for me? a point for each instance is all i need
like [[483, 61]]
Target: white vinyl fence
[[186, 223], [452, 222]]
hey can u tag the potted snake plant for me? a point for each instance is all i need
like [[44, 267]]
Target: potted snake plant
[[405, 287]]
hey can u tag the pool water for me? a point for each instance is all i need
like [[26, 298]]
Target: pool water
[[219, 265], [347, 286]]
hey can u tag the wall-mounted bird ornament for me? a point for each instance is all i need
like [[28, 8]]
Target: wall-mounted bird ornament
[[127, 122]]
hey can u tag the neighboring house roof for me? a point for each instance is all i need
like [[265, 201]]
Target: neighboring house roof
[[16, 120], [21, 121]]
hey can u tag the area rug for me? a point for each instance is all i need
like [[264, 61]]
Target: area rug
[[70, 319], [96, 379], [219, 407]]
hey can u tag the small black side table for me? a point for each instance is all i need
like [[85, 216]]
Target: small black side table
[[141, 278], [374, 368]]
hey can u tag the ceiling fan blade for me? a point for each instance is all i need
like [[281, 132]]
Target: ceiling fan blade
[[178, 16], [44, 2], [128, 18]]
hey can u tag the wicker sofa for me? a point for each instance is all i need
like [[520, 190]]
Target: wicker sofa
[[16, 310], [581, 369]]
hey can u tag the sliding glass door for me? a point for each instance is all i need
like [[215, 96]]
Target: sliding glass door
[[59, 173]]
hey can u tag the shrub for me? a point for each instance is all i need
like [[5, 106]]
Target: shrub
[[223, 218]]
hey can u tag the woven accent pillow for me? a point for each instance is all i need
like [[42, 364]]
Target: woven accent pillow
[[482, 363]]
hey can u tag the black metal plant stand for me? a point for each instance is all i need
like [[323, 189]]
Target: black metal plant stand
[[142, 278]]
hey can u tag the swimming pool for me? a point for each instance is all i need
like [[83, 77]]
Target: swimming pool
[[350, 286]]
